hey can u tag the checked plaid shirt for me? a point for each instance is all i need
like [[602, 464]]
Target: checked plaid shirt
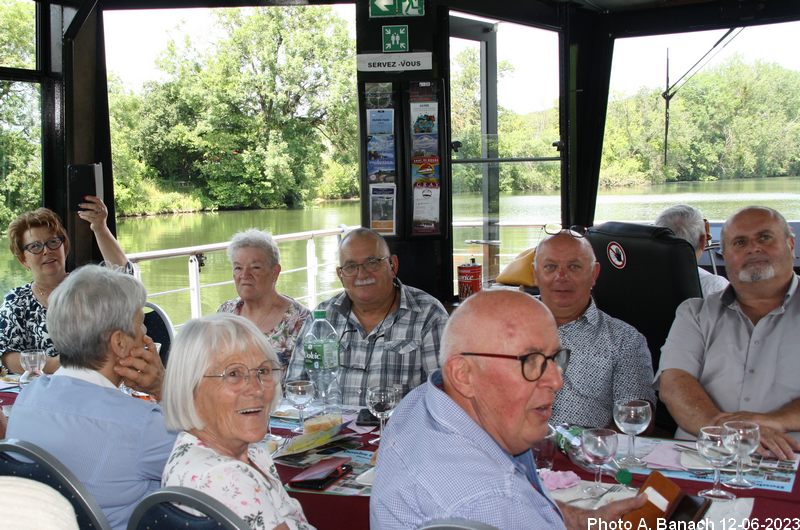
[[403, 351]]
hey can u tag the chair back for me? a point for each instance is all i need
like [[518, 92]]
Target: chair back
[[454, 523], [47, 469], [645, 273], [159, 328], [158, 511]]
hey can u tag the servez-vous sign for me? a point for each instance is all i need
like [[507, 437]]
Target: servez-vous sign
[[396, 62]]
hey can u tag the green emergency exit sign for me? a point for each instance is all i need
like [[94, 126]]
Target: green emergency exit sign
[[396, 8]]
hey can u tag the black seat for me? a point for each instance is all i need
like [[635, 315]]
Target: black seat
[[47, 469], [645, 273], [158, 510], [159, 328]]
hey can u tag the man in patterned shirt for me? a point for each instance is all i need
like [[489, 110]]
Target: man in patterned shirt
[[459, 446], [610, 359], [388, 332]]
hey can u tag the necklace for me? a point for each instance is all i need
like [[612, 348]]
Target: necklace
[[379, 327], [38, 290]]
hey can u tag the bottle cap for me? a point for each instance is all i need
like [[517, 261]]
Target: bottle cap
[[319, 313], [624, 476]]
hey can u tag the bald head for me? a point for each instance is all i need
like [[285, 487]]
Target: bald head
[[363, 234], [488, 320], [562, 241]]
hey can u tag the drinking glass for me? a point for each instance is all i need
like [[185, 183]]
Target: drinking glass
[[713, 444], [632, 418], [380, 401], [300, 394], [743, 440], [599, 446], [32, 361]]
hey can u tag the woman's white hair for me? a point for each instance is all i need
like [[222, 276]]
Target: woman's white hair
[[90, 304], [253, 238], [190, 358]]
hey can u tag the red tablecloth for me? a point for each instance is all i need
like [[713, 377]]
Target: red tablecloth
[[334, 512]]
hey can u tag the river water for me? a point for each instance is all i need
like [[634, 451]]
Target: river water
[[716, 200]]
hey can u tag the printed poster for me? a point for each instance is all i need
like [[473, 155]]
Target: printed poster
[[426, 186], [382, 202], [380, 121], [381, 168], [423, 117]]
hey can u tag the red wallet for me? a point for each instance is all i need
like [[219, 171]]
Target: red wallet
[[322, 474]]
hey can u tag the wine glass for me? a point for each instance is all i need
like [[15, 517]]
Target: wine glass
[[32, 361], [380, 401], [632, 418], [743, 440], [599, 446], [711, 444], [300, 394]]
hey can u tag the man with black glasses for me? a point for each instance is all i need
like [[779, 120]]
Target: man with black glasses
[[611, 361], [388, 332], [459, 446]]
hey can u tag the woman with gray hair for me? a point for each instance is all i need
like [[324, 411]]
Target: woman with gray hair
[[256, 267], [222, 382], [115, 444]]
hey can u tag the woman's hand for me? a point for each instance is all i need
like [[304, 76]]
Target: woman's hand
[[142, 370], [95, 212]]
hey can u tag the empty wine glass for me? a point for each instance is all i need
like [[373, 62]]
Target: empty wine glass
[[380, 401], [632, 418], [711, 444], [599, 446], [32, 361], [744, 439], [300, 394]]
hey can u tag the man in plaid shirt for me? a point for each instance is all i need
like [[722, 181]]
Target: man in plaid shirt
[[389, 333]]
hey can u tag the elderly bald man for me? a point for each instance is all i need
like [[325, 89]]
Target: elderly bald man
[[459, 445], [733, 355], [610, 359]]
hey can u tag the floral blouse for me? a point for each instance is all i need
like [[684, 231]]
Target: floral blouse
[[254, 492], [283, 336], [23, 323]]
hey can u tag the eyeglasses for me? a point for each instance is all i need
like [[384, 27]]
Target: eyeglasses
[[574, 230], [37, 247], [237, 376], [533, 364], [370, 265]]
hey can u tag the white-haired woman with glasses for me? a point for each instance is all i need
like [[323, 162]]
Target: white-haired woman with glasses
[[39, 242], [222, 381], [256, 266]]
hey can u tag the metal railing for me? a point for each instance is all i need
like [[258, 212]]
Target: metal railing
[[196, 257]]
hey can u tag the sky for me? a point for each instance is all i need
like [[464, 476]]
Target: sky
[[533, 85]]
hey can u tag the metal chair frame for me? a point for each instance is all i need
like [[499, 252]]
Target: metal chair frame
[[160, 507]]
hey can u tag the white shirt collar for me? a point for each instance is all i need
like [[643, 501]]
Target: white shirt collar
[[85, 374]]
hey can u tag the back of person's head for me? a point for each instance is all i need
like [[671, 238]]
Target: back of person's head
[[90, 304], [39, 218], [28, 504], [254, 238], [685, 222], [191, 356]]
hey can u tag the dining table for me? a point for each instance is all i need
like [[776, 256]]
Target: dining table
[[770, 509]]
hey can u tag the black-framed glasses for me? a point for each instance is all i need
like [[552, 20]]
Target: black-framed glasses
[[370, 265], [37, 247], [237, 375], [574, 230], [533, 364]]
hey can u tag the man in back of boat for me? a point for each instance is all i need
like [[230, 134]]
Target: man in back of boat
[[733, 355], [687, 223], [389, 333], [610, 358]]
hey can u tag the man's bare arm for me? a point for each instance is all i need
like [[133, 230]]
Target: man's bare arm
[[687, 401]]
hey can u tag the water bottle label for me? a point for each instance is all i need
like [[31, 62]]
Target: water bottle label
[[314, 355], [330, 354]]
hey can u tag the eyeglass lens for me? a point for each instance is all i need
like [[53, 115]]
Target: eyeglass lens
[[535, 365], [370, 265], [239, 374], [37, 247]]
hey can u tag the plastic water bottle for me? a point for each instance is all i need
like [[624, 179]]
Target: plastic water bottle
[[321, 347]]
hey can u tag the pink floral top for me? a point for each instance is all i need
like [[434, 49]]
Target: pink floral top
[[255, 495], [283, 336]]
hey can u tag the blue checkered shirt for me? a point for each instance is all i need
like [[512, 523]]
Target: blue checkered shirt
[[402, 351], [435, 462]]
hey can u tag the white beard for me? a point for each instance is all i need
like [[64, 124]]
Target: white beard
[[757, 273]]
